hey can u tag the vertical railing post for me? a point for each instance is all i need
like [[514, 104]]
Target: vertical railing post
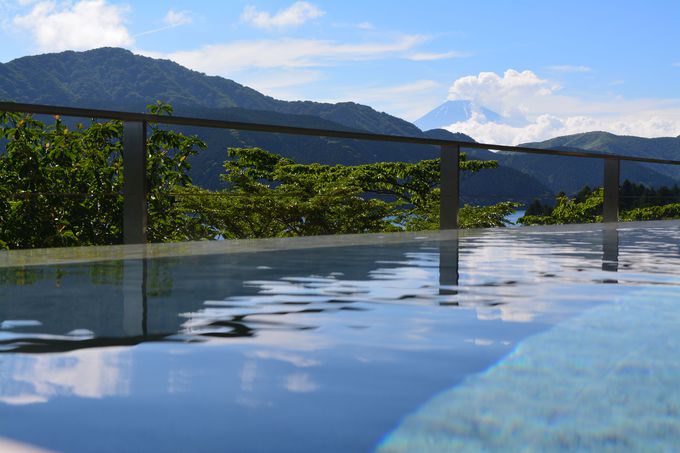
[[610, 210], [134, 182], [448, 207]]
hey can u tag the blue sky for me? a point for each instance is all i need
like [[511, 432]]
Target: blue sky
[[552, 67]]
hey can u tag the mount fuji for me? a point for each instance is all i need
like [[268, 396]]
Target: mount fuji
[[454, 112]]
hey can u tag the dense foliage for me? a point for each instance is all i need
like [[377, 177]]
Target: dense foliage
[[640, 196], [570, 210], [62, 186], [269, 195], [586, 206]]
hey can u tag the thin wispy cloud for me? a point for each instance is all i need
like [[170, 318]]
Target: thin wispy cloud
[[284, 84], [676, 64], [425, 56], [230, 58], [12, 5], [171, 20], [176, 18], [566, 68], [409, 100], [295, 15]]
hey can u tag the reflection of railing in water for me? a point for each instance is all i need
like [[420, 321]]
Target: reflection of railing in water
[[135, 306], [134, 155], [448, 267], [449, 259], [610, 249]]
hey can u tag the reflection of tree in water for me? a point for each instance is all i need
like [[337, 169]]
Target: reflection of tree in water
[[106, 272], [28, 275], [158, 275]]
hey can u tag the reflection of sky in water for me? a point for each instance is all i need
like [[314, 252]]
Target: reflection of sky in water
[[325, 349], [85, 374]]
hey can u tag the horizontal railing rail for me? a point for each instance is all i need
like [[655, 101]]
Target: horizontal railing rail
[[294, 130], [134, 163]]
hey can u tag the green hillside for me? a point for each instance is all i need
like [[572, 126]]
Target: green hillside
[[660, 148], [117, 78]]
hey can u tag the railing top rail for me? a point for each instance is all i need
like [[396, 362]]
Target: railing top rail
[[294, 130]]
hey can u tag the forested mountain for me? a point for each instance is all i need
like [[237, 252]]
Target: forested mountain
[[569, 174], [659, 148], [521, 174], [111, 78], [117, 79]]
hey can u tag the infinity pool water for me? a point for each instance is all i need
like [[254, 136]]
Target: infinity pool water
[[545, 339]]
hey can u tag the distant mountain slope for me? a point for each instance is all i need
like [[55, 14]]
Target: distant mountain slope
[[207, 165], [491, 186], [453, 112], [112, 77], [552, 174], [570, 174], [660, 148]]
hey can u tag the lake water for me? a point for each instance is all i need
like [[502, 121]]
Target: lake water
[[531, 339]]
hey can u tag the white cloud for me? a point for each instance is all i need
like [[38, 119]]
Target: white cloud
[[548, 126], [425, 56], [175, 18], [293, 16], [677, 64], [230, 58], [365, 26], [81, 25], [569, 68], [503, 94], [536, 110]]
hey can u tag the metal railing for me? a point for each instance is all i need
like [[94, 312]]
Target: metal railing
[[134, 158]]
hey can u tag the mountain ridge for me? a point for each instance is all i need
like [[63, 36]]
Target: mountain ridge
[[108, 76]]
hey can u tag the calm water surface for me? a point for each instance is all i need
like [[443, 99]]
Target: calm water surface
[[539, 339]]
